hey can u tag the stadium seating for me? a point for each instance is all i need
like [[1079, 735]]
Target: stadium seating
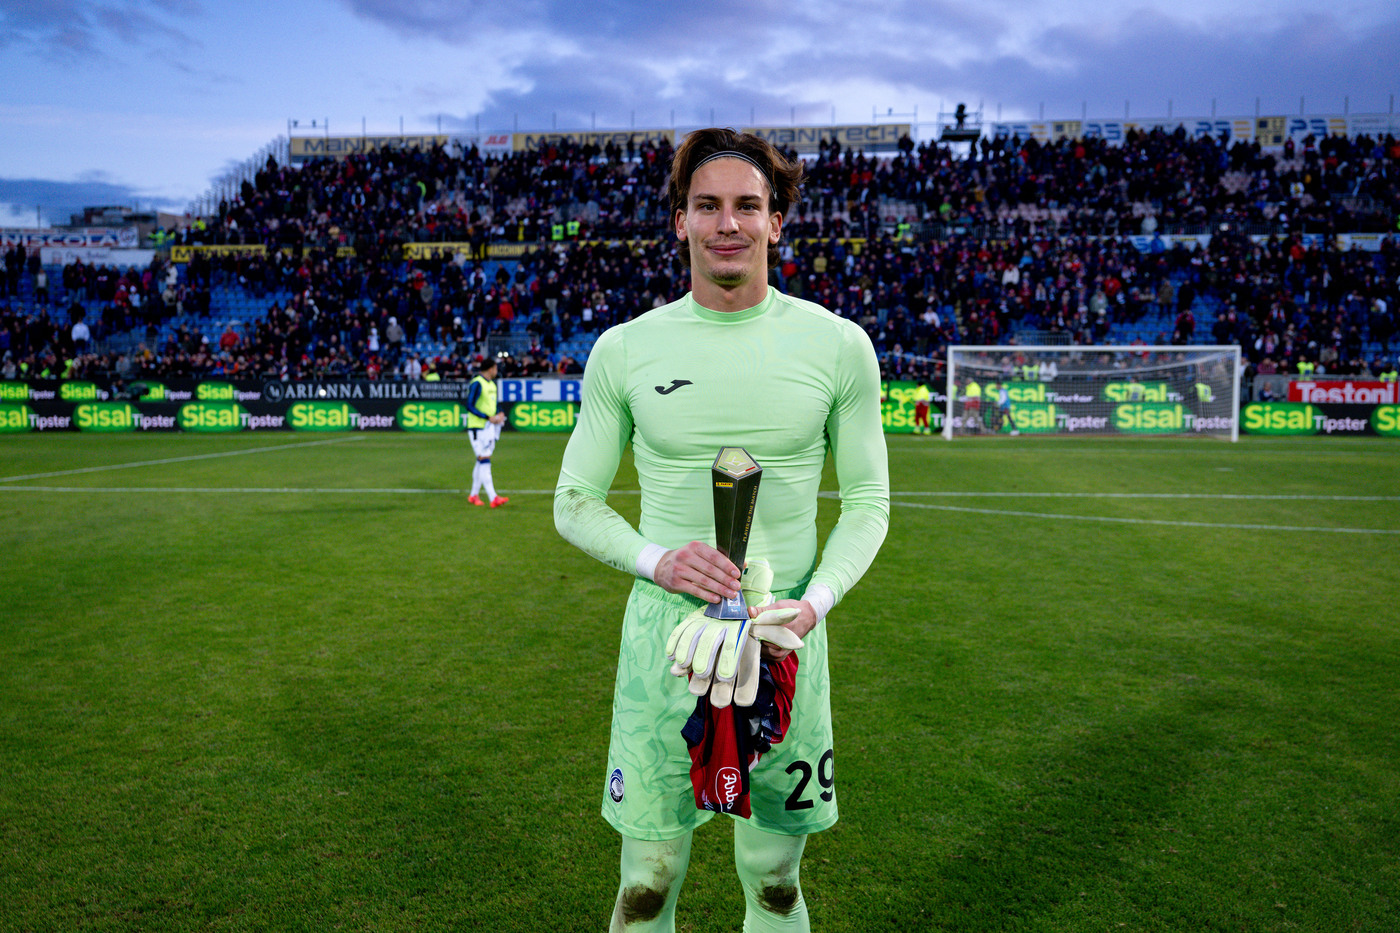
[[930, 232]]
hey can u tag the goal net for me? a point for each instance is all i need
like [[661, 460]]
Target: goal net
[[1016, 390]]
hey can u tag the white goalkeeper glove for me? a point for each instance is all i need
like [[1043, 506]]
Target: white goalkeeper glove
[[710, 650], [768, 626]]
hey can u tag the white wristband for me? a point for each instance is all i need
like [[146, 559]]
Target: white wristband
[[647, 560], [821, 599]]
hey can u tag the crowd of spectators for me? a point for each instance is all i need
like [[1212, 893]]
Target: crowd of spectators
[[1020, 236], [1173, 183]]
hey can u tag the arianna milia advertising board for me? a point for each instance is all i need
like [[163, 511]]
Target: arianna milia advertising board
[[1333, 409]]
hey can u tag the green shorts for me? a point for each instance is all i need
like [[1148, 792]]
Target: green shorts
[[647, 792]]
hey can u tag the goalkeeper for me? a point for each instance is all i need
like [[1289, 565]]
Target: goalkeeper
[[732, 363]]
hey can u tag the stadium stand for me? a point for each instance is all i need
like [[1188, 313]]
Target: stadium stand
[[1074, 241]]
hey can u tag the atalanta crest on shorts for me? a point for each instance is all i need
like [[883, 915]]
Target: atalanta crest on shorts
[[615, 787]]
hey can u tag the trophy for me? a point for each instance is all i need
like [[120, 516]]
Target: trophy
[[735, 476]]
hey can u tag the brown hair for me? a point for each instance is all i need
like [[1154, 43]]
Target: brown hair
[[784, 176]]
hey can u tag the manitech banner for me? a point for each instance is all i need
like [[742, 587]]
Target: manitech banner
[[305, 148], [215, 405], [871, 137], [528, 142], [181, 254]]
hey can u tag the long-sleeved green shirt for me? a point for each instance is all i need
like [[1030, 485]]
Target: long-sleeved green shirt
[[786, 380]]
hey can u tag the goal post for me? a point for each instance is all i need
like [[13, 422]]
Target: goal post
[[1094, 390]]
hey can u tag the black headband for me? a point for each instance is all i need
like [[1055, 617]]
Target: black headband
[[731, 154]]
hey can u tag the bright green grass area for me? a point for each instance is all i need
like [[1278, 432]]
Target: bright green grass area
[[279, 684]]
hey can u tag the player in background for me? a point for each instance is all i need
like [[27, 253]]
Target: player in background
[[972, 405], [1004, 409], [922, 397], [732, 363], [484, 429]]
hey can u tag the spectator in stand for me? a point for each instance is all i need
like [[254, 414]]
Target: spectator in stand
[[80, 335], [1037, 201], [393, 340], [228, 340]]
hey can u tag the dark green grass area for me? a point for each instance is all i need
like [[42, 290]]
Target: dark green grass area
[[280, 684]]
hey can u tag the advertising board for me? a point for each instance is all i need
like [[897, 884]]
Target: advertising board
[[223, 405], [1336, 409]]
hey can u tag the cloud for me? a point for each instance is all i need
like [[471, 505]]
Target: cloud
[[1149, 59], [136, 27], [57, 201], [616, 61], [623, 58], [72, 29], [642, 26], [18, 215], [453, 21], [614, 64], [61, 26]]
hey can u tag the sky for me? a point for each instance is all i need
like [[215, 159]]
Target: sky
[[145, 103]]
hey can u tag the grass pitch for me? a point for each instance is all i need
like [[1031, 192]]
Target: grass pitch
[[258, 682]]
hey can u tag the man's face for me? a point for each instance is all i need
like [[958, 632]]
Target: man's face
[[726, 223]]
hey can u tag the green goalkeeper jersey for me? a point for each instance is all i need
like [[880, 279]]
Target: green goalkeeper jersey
[[787, 380]]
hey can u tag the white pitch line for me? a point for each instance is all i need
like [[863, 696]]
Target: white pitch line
[[287, 490], [1333, 447], [1150, 495], [826, 493], [296, 490], [142, 463], [1150, 521]]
